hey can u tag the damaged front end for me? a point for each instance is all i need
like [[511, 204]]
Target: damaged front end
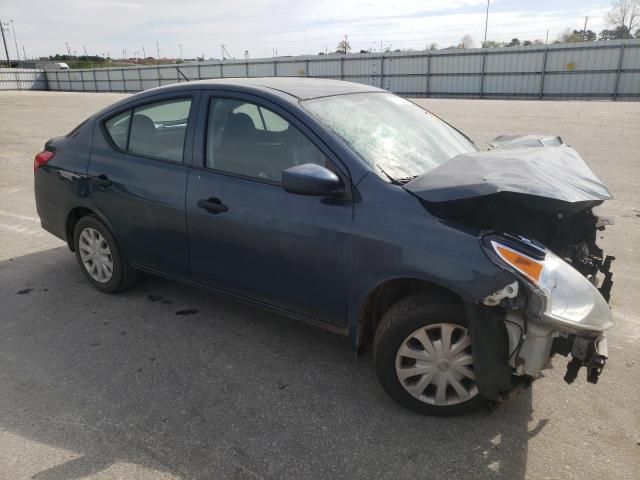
[[526, 188]]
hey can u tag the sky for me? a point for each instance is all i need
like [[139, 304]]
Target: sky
[[293, 27]]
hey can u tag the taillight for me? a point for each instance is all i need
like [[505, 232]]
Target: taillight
[[41, 159]]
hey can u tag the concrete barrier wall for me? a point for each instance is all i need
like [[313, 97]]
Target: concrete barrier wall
[[607, 70], [22, 79]]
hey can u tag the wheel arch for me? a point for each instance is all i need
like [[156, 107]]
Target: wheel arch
[[382, 296], [82, 211]]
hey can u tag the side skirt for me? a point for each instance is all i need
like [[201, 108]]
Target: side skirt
[[266, 306]]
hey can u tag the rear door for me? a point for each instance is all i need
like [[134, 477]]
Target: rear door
[[138, 169], [247, 234]]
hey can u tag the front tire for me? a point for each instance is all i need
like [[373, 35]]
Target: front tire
[[422, 352], [100, 258]]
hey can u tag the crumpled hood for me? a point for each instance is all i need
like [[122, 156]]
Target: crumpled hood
[[552, 172]]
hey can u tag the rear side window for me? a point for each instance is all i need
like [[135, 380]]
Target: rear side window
[[156, 130], [118, 128]]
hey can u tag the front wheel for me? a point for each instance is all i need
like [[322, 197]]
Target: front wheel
[[100, 258], [422, 351]]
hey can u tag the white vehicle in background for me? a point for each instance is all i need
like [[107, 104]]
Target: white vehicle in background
[[62, 66]]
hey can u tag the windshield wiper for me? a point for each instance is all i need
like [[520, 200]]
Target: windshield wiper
[[391, 179], [404, 180]]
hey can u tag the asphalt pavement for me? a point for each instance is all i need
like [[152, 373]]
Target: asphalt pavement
[[166, 381]]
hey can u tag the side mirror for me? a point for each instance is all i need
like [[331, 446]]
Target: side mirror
[[311, 179]]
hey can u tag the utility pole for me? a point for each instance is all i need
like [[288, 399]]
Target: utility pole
[[546, 41], [85, 50], [382, 42], [24, 53], [225, 51], [13, 29], [180, 47], [584, 32], [68, 49], [486, 26], [144, 54], [4, 42], [158, 49]]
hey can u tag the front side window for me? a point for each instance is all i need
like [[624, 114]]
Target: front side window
[[246, 139], [394, 136], [156, 130]]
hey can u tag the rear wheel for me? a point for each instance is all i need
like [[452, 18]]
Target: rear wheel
[[100, 257], [423, 356]]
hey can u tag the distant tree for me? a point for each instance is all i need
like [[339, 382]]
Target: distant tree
[[492, 44], [625, 14], [588, 36], [433, 46], [343, 47], [513, 43], [320, 53], [527, 43], [538, 41], [466, 42], [638, 33], [618, 33], [364, 51], [570, 36]]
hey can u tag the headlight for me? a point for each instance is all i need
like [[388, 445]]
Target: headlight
[[572, 301]]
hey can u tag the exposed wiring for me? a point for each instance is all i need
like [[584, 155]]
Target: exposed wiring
[[520, 342]]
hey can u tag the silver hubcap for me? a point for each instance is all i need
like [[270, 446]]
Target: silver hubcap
[[95, 255], [434, 364]]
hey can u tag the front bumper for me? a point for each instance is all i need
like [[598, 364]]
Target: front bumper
[[587, 352], [532, 352]]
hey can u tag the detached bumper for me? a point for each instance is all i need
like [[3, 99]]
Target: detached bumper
[[588, 352]]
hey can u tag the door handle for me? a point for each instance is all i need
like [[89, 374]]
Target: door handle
[[212, 205], [101, 181]]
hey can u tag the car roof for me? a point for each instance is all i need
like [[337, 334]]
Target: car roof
[[300, 88]]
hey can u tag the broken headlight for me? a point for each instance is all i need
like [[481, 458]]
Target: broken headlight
[[572, 302]]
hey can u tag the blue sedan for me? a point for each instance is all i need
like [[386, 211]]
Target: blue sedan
[[348, 207]]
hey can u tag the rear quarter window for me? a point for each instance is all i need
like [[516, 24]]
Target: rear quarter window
[[118, 129]]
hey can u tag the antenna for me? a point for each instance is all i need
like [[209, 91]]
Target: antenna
[[180, 46], [158, 49]]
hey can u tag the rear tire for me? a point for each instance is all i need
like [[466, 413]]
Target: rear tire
[[422, 352], [100, 258]]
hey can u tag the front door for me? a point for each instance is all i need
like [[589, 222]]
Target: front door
[[247, 234]]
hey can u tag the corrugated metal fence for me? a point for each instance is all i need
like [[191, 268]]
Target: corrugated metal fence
[[22, 79], [578, 70]]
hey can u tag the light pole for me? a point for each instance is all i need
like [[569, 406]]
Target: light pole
[[4, 42], [486, 25], [180, 46], [13, 29]]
